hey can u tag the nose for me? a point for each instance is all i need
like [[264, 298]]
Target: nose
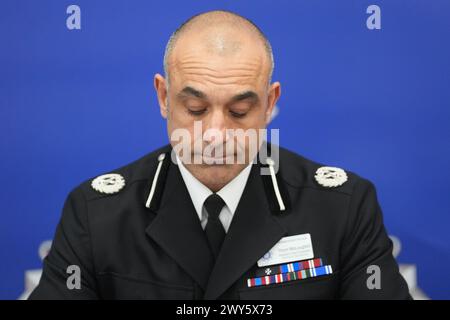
[[216, 123]]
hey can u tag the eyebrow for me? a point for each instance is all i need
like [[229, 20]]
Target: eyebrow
[[189, 91], [250, 95]]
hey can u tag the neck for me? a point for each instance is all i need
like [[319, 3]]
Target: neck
[[215, 177]]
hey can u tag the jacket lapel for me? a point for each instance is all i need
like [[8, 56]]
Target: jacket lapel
[[252, 233], [177, 229]]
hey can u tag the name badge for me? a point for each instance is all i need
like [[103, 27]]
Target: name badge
[[292, 248]]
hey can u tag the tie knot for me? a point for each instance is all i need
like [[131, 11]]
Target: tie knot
[[214, 204]]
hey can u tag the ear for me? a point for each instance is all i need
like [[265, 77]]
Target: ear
[[272, 97], [160, 85]]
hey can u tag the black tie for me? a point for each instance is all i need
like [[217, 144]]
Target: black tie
[[215, 233]]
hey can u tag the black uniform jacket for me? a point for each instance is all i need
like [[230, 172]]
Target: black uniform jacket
[[127, 251]]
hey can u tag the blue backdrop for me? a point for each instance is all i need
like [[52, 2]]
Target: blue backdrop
[[76, 103]]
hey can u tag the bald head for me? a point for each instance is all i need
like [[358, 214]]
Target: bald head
[[222, 34]]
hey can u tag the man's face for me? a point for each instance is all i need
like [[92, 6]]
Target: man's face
[[220, 92]]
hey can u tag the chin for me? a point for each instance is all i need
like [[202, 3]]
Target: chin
[[218, 171], [219, 175]]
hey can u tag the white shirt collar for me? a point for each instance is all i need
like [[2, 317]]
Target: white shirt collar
[[231, 193]]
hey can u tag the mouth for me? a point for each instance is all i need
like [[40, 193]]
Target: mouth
[[212, 160], [220, 158]]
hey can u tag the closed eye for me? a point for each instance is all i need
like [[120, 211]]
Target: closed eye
[[196, 112], [238, 114]]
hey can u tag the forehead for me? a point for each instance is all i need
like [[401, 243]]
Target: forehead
[[235, 64], [218, 70]]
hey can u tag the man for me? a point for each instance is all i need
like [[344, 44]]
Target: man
[[199, 220]]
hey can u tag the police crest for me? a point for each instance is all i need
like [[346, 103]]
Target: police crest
[[108, 183], [330, 176]]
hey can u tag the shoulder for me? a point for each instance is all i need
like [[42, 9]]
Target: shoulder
[[117, 182], [300, 172]]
